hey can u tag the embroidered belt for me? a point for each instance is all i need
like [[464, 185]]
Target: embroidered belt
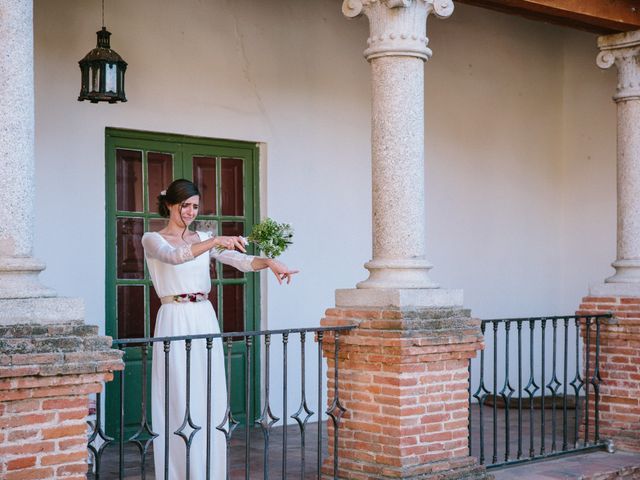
[[184, 298]]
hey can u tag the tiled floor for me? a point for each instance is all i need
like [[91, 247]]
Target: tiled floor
[[588, 466]]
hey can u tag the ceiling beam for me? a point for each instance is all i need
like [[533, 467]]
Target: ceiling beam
[[598, 16]]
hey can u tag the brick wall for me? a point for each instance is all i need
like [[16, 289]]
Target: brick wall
[[403, 378], [619, 369], [46, 375]]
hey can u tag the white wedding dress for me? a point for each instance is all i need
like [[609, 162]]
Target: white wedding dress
[[174, 271]]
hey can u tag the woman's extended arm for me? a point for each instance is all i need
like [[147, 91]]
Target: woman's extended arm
[[279, 269], [157, 247]]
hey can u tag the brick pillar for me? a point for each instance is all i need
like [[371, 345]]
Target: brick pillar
[[403, 379], [619, 368], [46, 375]]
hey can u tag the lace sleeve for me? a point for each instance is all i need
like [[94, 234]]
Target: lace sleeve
[[233, 258], [157, 247]]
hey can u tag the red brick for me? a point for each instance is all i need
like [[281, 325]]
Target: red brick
[[20, 463], [62, 403], [64, 431], [30, 474], [22, 434], [72, 443], [73, 414], [26, 448], [58, 459], [28, 419], [23, 406], [13, 372]]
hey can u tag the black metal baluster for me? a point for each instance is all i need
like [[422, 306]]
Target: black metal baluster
[[596, 382], [577, 384], [167, 346], [336, 410], [144, 429], [469, 400], [481, 395], [587, 379], [228, 420], [285, 341], [531, 388], [98, 431], [121, 439], [495, 392], [543, 325], [506, 393], [519, 325], [554, 384], [187, 420], [247, 392], [209, 346], [267, 418], [302, 423], [319, 446], [564, 384]]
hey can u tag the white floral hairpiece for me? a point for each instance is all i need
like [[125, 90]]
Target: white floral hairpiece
[[163, 193]]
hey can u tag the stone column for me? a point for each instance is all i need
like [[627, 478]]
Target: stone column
[[18, 269], [397, 50], [620, 294], [623, 51], [403, 373], [49, 360]]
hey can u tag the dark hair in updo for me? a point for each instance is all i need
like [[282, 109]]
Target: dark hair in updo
[[176, 193]]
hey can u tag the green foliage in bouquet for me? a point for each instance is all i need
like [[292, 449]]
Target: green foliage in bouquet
[[271, 238]]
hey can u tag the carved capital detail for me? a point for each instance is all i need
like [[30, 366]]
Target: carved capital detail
[[623, 50], [397, 27]]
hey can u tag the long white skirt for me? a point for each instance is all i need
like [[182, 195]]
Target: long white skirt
[[188, 319]]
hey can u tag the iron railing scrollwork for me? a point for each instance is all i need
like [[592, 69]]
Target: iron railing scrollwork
[[547, 387], [99, 442]]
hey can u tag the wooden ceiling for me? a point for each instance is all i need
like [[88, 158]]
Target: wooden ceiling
[[598, 16]]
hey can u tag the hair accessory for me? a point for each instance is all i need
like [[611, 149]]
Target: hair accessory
[[163, 193]]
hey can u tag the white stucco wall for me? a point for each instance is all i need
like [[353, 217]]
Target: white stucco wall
[[520, 144]]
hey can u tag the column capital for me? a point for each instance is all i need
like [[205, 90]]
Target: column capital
[[623, 50], [397, 27]]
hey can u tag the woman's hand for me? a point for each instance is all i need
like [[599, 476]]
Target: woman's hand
[[229, 243], [280, 270]]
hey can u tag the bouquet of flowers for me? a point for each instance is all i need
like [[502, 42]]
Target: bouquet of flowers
[[271, 238]]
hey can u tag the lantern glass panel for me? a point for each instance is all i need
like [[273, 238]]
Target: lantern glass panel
[[111, 78], [95, 78]]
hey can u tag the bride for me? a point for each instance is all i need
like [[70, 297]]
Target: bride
[[178, 261]]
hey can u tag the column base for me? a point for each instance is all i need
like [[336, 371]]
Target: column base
[[398, 273], [41, 311], [19, 278], [627, 271], [403, 380], [614, 290], [398, 298]]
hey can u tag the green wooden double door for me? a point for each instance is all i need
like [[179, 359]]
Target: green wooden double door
[[139, 165]]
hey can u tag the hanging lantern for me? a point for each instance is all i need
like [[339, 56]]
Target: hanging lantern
[[102, 71]]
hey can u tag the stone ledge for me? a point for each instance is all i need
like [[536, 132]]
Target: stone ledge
[[615, 290], [398, 298], [56, 350], [43, 311], [407, 322]]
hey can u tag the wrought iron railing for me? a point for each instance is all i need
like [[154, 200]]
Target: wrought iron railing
[[557, 368], [102, 447]]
